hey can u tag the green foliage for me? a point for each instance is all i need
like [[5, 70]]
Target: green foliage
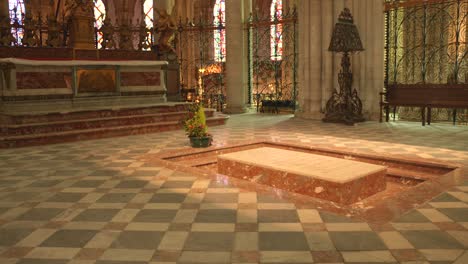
[[195, 123]]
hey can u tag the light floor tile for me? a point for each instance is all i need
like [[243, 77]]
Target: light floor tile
[[394, 240], [441, 254], [368, 256], [286, 257], [53, 253], [127, 254], [434, 215]]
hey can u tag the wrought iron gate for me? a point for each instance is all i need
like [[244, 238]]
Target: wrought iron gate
[[201, 70], [426, 42], [273, 60]]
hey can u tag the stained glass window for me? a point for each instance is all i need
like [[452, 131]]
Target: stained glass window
[[99, 14], [16, 16], [148, 11], [276, 31], [219, 21]]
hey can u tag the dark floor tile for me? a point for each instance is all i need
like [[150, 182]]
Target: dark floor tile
[[357, 241], [63, 197], [26, 172], [157, 216], [277, 216], [105, 173], [40, 214], [168, 198], [20, 196], [119, 262], [69, 238], [42, 261], [456, 214], [216, 216], [268, 198], [445, 197], [138, 240], [221, 198], [8, 183], [43, 183], [177, 184], [96, 215], [431, 239], [116, 198], [333, 218], [4, 209], [282, 241], [132, 184], [412, 217], [144, 173], [9, 237], [87, 184], [210, 241]]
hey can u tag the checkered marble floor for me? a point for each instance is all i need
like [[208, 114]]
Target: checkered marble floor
[[95, 202]]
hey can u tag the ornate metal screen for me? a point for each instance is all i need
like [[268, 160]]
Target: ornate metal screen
[[273, 55], [426, 42], [201, 64]]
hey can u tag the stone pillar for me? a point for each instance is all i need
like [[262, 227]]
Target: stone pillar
[[310, 56], [368, 66], [236, 81], [82, 25]]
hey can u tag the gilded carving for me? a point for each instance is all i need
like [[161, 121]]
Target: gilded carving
[[108, 32], [144, 36], [166, 27]]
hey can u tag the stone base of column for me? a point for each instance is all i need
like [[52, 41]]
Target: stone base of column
[[235, 110]]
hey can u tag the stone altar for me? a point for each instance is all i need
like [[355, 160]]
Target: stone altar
[[37, 82]]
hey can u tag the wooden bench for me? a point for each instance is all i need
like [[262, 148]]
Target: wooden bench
[[425, 96], [275, 106]]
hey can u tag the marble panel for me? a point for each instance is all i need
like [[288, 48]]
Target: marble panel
[[140, 78], [43, 80]]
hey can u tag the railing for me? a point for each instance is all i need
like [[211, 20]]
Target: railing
[[50, 32], [426, 43]]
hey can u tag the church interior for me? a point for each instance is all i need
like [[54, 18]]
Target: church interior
[[233, 131]]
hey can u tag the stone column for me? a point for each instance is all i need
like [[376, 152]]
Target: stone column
[[368, 66], [310, 55], [236, 81], [82, 27], [319, 68]]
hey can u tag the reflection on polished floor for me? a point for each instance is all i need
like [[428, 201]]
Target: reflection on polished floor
[[99, 202]]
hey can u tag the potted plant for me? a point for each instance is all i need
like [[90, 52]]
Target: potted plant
[[196, 128]]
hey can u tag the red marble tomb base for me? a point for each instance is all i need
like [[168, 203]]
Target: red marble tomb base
[[338, 180]]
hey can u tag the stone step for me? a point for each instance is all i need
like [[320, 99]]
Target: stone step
[[411, 174], [111, 121], [19, 119], [96, 133]]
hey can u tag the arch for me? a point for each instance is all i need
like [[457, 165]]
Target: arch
[[219, 34], [17, 11], [276, 31]]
